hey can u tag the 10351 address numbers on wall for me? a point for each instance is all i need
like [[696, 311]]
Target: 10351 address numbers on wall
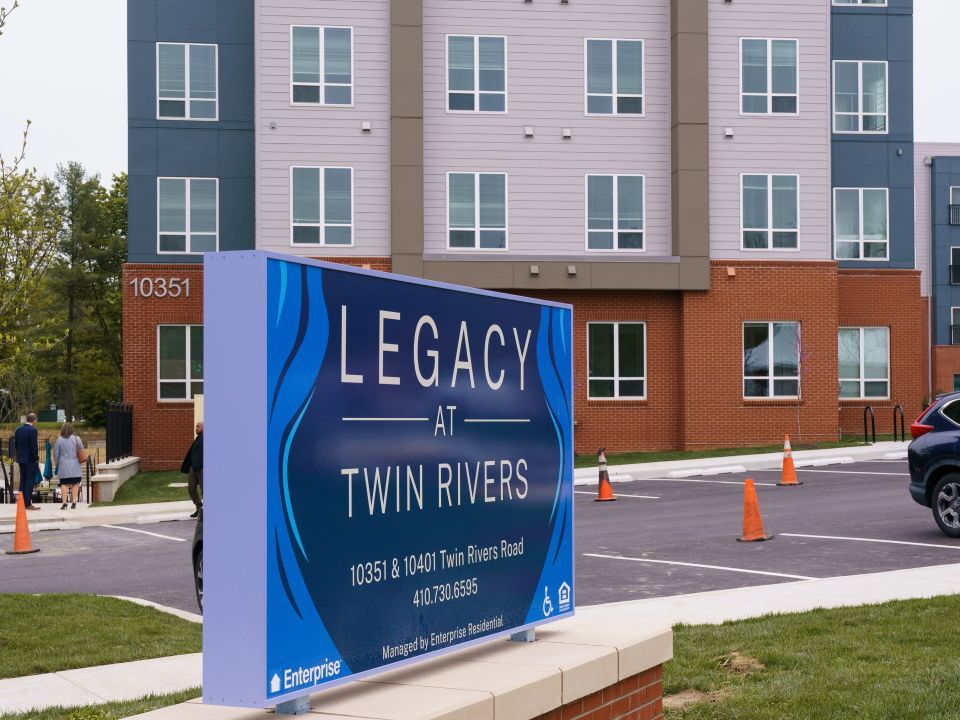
[[161, 287]]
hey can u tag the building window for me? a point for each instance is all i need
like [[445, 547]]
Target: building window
[[187, 215], [864, 360], [874, 3], [954, 206], [955, 326], [477, 211], [771, 360], [859, 96], [186, 81], [614, 77], [956, 383], [476, 73], [321, 67], [770, 211], [321, 206], [768, 76], [179, 361], [860, 223], [955, 266], [617, 360], [615, 212]]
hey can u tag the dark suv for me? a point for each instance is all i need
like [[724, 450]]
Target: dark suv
[[934, 457], [198, 560]]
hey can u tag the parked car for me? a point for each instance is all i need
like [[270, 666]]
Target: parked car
[[198, 560], [934, 457]]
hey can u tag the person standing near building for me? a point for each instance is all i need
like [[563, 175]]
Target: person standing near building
[[69, 458], [28, 457], [193, 467]]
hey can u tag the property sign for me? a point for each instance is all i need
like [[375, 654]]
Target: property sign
[[389, 467]]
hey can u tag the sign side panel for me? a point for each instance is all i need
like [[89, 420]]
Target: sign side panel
[[235, 462]]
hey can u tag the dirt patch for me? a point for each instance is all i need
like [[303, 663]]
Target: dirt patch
[[740, 664], [686, 698]]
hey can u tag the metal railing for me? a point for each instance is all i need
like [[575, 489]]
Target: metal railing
[[119, 422], [955, 334], [955, 214], [873, 426], [898, 412]]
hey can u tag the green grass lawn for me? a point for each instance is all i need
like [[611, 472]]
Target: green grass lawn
[[47, 633], [896, 660], [645, 457], [150, 487], [109, 711]]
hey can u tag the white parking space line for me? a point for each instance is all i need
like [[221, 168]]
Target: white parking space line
[[641, 497], [854, 472], [698, 565], [145, 532], [698, 480], [873, 540]]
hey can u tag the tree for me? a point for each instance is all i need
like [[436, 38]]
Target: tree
[[5, 13], [80, 303]]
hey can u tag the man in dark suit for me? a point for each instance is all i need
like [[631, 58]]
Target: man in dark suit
[[28, 457], [193, 467]]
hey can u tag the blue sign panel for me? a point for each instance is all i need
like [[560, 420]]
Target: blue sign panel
[[416, 487]]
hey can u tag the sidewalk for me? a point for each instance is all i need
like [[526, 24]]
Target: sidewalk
[[51, 517], [166, 675], [743, 463]]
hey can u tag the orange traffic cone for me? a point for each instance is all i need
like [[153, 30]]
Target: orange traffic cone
[[21, 532], [752, 522], [788, 477], [605, 491]]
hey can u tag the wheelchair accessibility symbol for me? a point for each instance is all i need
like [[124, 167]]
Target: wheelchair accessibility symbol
[[547, 604]]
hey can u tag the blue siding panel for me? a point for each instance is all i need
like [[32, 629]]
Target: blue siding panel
[[175, 148], [946, 173], [881, 33]]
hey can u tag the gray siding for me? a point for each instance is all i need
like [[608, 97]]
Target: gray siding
[[545, 84], [923, 234], [770, 143], [324, 136]]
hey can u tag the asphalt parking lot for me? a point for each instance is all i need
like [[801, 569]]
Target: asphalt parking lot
[[680, 534], [662, 537]]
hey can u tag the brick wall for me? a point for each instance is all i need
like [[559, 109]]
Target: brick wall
[[651, 424], [162, 431], [716, 413], [946, 364], [639, 697], [889, 298]]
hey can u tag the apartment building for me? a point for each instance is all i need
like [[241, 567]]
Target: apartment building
[[724, 191]]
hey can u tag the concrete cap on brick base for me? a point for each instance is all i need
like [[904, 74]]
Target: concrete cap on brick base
[[576, 668]]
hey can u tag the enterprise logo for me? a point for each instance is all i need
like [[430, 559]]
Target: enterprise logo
[[305, 676]]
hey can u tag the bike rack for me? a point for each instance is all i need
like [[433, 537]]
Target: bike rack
[[873, 425], [898, 410]]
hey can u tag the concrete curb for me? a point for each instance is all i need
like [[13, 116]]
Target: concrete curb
[[52, 518], [744, 463]]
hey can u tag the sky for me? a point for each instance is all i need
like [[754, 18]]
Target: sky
[[63, 66]]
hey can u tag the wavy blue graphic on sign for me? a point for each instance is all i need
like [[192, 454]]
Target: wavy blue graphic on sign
[[555, 588], [297, 340]]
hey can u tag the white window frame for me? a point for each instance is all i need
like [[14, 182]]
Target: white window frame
[[188, 382], [616, 214], [187, 231], [613, 79], [769, 230], [616, 361], [476, 76], [322, 224], [950, 198], [186, 81], [859, 114], [861, 379], [862, 241], [859, 3], [476, 212], [322, 84], [769, 94], [771, 378]]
